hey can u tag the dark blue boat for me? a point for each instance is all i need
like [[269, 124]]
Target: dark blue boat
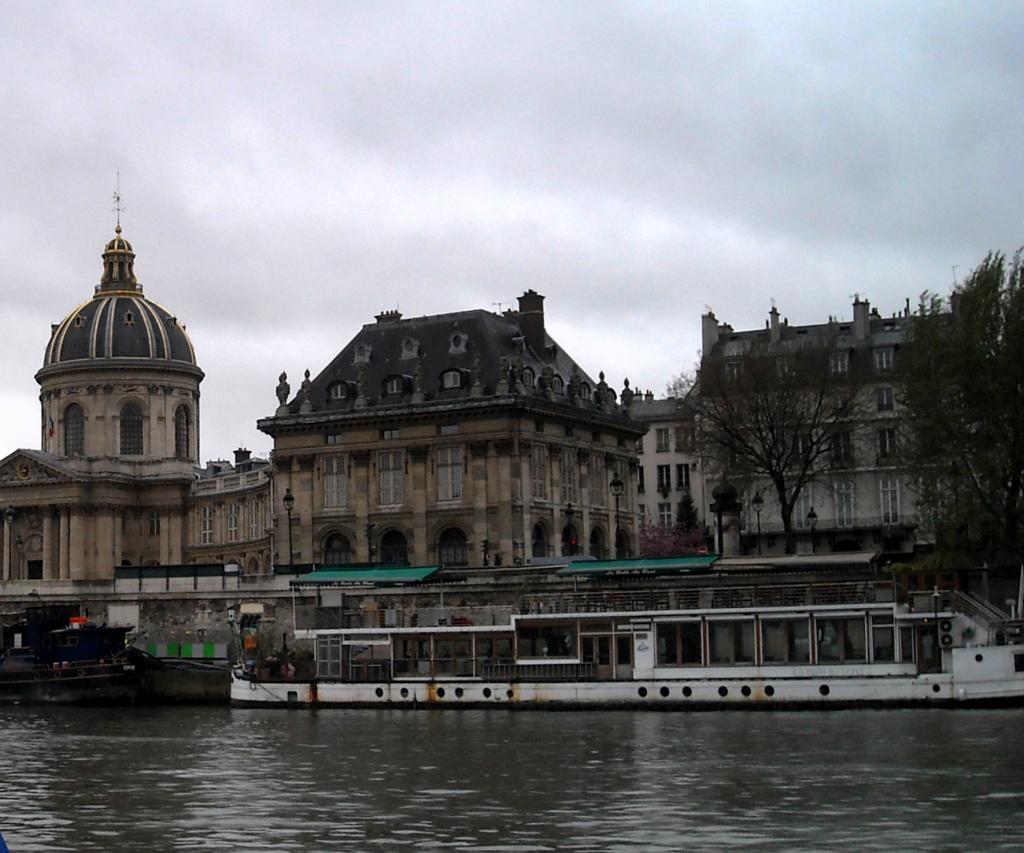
[[49, 658]]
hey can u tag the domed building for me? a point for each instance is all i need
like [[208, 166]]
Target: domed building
[[115, 482]]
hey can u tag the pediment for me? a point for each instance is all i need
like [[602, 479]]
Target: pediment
[[29, 468]]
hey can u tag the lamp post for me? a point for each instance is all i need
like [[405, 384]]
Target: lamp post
[[812, 520], [569, 538], [289, 505], [617, 487], [757, 503], [369, 540], [9, 514]]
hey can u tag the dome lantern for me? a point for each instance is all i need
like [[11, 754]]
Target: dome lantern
[[118, 267]]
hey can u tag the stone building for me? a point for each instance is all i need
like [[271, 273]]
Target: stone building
[[669, 465], [457, 439], [115, 481], [861, 497]]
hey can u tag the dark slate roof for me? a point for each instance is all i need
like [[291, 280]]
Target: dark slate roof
[[475, 343], [119, 326]]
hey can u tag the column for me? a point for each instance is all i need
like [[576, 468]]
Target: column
[[76, 546], [478, 474], [49, 570], [420, 546], [118, 544], [361, 495], [504, 491], [7, 549], [63, 564], [101, 566]]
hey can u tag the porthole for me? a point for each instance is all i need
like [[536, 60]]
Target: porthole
[[723, 691], [979, 658], [458, 692], [379, 692], [642, 692], [487, 693], [745, 690], [935, 688], [440, 693], [405, 692], [769, 691], [687, 692], [509, 694], [824, 690], [664, 691]]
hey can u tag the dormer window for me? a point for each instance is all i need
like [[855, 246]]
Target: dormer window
[[79, 321], [529, 377], [362, 354], [585, 391], [451, 379], [338, 391], [393, 385], [457, 343], [129, 318], [410, 348], [557, 385]]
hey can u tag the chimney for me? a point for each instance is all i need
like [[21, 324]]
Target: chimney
[[392, 316], [861, 324], [773, 315], [242, 455], [708, 332], [531, 321]]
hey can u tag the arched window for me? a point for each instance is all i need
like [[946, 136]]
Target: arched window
[[451, 548], [74, 431], [529, 378], [394, 550], [570, 541], [540, 541], [131, 430], [337, 550], [597, 543], [182, 433]]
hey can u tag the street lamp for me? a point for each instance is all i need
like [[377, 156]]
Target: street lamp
[[757, 503], [812, 520], [569, 537], [289, 504], [617, 487], [369, 540], [9, 514]]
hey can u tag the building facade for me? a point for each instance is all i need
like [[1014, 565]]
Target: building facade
[[669, 475], [458, 439], [115, 479], [861, 496]]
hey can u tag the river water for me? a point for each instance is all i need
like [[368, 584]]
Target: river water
[[155, 779]]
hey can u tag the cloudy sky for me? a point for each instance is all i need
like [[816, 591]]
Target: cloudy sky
[[291, 169]]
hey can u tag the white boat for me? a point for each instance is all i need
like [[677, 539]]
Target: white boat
[[785, 645]]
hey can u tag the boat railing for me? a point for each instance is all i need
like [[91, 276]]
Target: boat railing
[[712, 598], [984, 613], [554, 671]]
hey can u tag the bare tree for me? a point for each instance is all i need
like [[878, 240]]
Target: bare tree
[[778, 415]]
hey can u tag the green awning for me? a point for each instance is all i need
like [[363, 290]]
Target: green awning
[[646, 566], [377, 576]]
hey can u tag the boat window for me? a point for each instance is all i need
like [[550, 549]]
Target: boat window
[[1018, 663], [731, 642], [624, 650], [679, 643], [785, 641], [906, 643], [841, 640], [547, 641], [328, 655], [883, 639]]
